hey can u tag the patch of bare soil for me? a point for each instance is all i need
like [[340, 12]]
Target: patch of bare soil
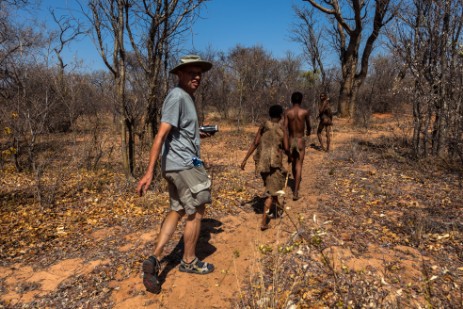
[[373, 228]]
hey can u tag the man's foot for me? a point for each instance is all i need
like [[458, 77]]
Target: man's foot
[[196, 267], [280, 211], [296, 196], [264, 227], [151, 268]]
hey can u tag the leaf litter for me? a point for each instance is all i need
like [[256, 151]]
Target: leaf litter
[[388, 232]]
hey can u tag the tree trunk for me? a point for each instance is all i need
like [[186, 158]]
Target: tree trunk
[[417, 124], [125, 157], [347, 93], [154, 107], [344, 100]]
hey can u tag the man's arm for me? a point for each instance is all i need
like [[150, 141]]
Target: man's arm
[[307, 124], [253, 147], [285, 119], [285, 140], [159, 139]]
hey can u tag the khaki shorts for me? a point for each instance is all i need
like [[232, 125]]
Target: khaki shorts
[[188, 189]]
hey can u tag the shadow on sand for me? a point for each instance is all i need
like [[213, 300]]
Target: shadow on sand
[[203, 247]]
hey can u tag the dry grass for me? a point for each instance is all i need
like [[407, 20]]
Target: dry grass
[[391, 237], [391, 234]]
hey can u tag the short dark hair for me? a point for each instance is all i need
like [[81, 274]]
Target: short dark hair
[[296, 97], [275, 111]]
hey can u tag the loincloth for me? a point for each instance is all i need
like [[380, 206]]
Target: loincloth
[[274, 180], [326, 120], [296, 146]]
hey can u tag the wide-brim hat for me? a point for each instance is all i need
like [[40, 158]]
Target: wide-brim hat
[[192, 60]]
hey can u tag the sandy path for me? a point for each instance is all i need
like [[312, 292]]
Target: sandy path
[[236, 253], [231, 244]]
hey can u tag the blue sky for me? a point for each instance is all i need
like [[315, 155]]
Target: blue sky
[[224, 24], [227, 23]]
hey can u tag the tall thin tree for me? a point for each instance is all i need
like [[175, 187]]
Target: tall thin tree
[[351, 20], [109, 17]]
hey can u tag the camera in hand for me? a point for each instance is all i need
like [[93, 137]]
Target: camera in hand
[[211, 129]]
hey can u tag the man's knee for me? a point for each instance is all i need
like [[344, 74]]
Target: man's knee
[[294, 155], [173, 215], [198, 214], [180, 213]]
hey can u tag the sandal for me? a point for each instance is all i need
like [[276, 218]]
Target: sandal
[[196, 267], [151, 268]]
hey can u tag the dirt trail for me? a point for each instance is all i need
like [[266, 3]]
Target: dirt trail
[[230, 243], [236, 252], [107, 273]]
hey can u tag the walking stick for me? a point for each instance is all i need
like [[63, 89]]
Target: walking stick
[[282, 193]]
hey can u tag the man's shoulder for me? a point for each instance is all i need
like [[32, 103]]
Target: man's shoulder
[[291, 111], [302, 112], [296, 108], [177, 96], [175, 92]]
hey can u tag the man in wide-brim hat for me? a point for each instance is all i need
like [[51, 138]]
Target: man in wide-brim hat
[[192, 60], [178, 139]]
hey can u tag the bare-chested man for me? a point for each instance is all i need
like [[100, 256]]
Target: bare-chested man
[[297, 122], [326, 121]]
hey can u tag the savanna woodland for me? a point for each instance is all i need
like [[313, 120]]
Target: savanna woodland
[[380, 222]]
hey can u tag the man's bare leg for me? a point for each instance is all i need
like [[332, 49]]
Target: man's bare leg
[[328, 138], [297, 178], [319, 135], [168, 227], [151, 266], [294, 159], [267, 205], [191, 234], [297, 168]]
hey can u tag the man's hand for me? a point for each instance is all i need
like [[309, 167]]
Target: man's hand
[[204, 134], [159, 139], [144, 184]]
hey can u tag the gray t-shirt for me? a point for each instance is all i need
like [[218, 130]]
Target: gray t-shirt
[[183, 141]]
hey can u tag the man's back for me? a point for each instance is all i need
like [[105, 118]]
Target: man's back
[[271, 146], [296, 119], [297, 122]]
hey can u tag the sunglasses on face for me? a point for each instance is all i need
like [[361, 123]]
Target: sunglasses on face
[[193, 74]]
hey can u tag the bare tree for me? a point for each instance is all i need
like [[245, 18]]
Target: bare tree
[[380, 92], [351, 20], [68, 31], [109, 19], [428, 40], [153, 29], [31, 96], [14, 41], [22, 115], [288, 78], [223, 86], [306, 33], [206, 93], [150, 28], [252, 70]]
